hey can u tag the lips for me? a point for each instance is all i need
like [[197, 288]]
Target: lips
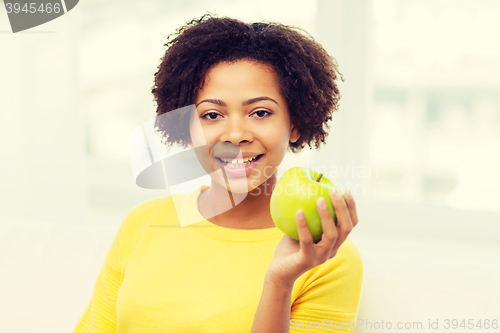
[[237, 169]]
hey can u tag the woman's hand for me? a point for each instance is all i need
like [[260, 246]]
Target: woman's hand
[[292, 258]]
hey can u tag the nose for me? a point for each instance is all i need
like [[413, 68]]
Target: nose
[[236, 131]]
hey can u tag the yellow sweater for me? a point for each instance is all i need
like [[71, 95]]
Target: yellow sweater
[[161, 277]]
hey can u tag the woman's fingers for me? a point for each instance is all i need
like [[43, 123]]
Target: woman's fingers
[[351, 205], [330, 233], [344, 223], [333, 236], [305, 237]]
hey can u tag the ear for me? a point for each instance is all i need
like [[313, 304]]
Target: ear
[[294, 134]]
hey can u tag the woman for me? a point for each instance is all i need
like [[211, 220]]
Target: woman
[[262, 88]]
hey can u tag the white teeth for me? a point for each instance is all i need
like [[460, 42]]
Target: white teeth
[[239, 162]]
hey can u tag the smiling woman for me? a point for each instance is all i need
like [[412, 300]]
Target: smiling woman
[[258, 90]]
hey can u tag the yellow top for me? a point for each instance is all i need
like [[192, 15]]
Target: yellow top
[[161, 277]]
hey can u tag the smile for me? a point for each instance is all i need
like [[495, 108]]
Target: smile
[[239, 162], [239, 167]]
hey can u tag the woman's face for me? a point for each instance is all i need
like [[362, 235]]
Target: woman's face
[[243, 118]]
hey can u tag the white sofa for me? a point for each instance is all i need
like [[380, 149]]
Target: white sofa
[[411, 273]]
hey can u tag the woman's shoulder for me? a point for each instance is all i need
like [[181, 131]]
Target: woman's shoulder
[[149, 207], [333, 286], [163, 210], [138, 220], [348, 252], [149, 211], [347, 264], [347, 261]]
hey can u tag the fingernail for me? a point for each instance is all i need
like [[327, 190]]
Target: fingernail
[[336, 192], [322, 202], [348, 192]]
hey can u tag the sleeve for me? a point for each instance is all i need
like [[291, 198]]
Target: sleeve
[[326, 298], [100, 315]]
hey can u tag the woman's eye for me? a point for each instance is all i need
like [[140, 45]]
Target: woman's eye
[[261, 113], [210, 115]]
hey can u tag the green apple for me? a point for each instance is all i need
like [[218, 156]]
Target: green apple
[[299, 188]]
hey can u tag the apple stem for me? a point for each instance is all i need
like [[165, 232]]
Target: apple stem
[[319, 177]]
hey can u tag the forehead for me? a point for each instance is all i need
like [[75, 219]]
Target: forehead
[[243, 77]]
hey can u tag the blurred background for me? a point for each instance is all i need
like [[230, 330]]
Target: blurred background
[[416, 138]]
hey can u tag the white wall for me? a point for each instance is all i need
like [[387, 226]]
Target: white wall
[[43, 157]]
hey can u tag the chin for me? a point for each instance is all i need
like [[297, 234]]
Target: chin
[[240, 185]]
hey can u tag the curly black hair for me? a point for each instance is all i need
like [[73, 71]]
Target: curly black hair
[[307, 73]]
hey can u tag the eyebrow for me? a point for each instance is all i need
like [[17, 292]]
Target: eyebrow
[[245, 103]]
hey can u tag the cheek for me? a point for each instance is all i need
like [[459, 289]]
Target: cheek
[[198, 140], [196, 132], [278, 136], [276, 142]]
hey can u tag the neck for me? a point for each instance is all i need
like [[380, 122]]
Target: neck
[[251, 212]]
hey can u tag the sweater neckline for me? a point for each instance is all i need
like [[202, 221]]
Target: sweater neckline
[[210, 229]]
